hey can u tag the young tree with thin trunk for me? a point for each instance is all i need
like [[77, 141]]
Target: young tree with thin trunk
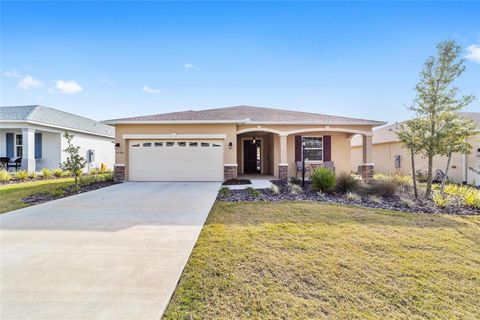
[[74, 163], [409, 135], [437, 97], [457, 130]]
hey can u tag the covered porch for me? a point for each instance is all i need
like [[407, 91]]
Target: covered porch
[[30, 148], [281, 152]]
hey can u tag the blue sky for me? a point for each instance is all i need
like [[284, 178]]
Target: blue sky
[[114, 59]]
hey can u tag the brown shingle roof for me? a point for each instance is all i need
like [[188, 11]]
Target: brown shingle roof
[[253, 114]]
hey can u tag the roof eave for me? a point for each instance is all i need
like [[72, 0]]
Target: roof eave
[[245, 121], [60, 127]]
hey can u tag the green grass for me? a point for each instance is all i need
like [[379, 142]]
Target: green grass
[[11, 195], [297, 260]]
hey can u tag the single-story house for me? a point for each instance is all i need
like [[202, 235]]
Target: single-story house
[[390, 157], [35, 134], [219, 144]]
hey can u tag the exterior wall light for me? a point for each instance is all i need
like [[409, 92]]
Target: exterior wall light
[[230, 145], [117, 145]]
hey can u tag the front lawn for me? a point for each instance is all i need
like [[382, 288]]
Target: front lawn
[[11, 195], [296, 260]]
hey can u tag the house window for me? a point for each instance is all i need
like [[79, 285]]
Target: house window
[[169, 144], [147, 144], [182, 144], [205, 144], [158, 144], [193, 144], [313, 148], [19, 145]]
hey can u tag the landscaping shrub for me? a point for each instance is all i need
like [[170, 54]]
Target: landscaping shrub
[[457, 190], [5, 176], [85, 180], [352, 196], [46, 173], [21, 175], [323, 179], [33, 175], [103, 168], [382, 187], [254, 193], [274, 189], [472, 199], [224, 191], [347, 182], [400, 180], [93, 171], [295, 189], [66, 173], [108, 176], [409, 203], [440, 200], [295, 180], [375, 199], [57, 172]]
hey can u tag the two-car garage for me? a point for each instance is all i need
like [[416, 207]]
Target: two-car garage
[[175, 160]]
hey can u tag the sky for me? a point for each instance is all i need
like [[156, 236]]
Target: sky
[[111, 59]]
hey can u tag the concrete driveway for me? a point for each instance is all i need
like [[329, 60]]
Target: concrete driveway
[[113, 253]]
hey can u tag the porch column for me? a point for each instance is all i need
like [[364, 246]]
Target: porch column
[[283, 165], [28, 149], [366, 169]]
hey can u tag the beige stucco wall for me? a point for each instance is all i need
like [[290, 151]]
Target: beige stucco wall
[[340, 141], [383, 158]]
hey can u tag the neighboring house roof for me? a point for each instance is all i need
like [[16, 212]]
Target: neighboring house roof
[[246, 114], [41, 115], [388, 133]]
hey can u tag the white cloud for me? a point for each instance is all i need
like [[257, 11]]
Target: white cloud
[[473, 53], [147, 89], [190, 66], [29, 82], [12, 74], [68, 87]]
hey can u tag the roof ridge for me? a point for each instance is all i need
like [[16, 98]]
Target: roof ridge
[[32, 112]]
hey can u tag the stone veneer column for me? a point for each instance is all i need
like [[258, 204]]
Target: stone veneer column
[[283, 171], [366, 171], [119, 173], [229, 171]]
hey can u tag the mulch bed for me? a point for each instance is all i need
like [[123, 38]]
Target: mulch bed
[[234, 182], [68, 191], [308, 194]]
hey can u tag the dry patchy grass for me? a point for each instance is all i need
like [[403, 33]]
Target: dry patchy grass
[[308, 260]]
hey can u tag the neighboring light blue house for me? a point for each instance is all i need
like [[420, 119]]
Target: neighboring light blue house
[[35, 133]]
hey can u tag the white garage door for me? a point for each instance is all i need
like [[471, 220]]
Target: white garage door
[[170, 160]]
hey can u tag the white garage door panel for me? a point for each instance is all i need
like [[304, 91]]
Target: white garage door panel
[[175, 163]]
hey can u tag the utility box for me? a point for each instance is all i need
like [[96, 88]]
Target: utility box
[[90, 155], [396, 161]]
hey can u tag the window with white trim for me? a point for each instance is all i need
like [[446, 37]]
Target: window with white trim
[[19, 145], [313, 148]]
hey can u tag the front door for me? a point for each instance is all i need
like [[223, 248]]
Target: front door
[[251, 157]]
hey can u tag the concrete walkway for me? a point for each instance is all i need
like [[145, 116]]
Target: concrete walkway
[[256, 184], [113, 253]]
